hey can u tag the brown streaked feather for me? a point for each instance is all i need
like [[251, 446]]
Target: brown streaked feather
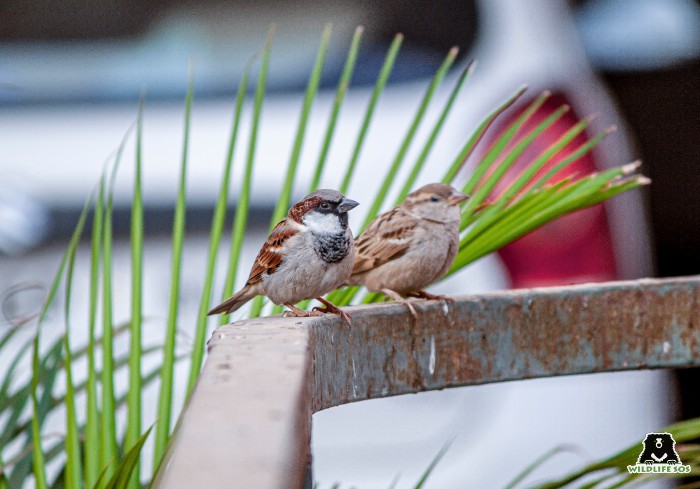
[[236, 301], [440, 189], [387, 238], [270, 257], [298, 210]]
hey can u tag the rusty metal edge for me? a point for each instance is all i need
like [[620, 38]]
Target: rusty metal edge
[[503, 336], [264, 378]]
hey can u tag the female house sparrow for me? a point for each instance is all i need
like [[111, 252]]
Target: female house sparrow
[[308, 254], [411, 246]]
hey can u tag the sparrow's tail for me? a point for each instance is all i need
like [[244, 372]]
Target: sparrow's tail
[[236, 301]]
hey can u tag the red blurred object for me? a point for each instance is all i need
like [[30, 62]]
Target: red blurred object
[[575, 248]]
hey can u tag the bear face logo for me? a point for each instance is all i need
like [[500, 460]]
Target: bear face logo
[[659, 448]]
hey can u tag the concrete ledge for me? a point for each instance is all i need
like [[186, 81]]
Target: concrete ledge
[[248, 422]]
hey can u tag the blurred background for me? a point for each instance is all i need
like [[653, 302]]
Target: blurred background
[[71, 74]]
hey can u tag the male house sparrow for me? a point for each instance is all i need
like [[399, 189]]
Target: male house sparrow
[[411, 246], [308, 254]]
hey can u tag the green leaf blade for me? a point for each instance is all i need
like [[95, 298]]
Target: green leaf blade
[[73, 470], [437, 128], [133, 424], [165, 396], [218, 226], [470, 145], [240, 219], [92, 423], [127, 469], [39, 406], [383, 77], [311, 91], [408, 138], [341, 90], [108, 446]]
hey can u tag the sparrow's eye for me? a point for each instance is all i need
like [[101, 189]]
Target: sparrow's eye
[[434, 198], [325, 205]]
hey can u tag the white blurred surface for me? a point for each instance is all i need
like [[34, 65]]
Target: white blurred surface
[[498, 430], [640, 34]]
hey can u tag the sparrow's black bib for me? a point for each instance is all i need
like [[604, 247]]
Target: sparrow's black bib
[[332, 247]]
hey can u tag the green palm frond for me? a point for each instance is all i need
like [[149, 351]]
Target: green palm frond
[[612, 471], [94, 453]]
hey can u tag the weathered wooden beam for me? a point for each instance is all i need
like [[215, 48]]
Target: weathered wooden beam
[[248, 421]]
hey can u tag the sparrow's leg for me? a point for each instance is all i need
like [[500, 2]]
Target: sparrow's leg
[[332, 309], [422, 294], [298, 313], [398, 298]]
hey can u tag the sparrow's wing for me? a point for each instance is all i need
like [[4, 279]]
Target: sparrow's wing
[[387, 238], [270, 255]]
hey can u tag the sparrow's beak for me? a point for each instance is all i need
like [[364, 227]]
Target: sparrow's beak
[[347, 204], [456, 198]]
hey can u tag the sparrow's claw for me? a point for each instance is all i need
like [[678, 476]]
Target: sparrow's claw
[[325, 310], [398, 298], [331, 308], [346, 317], [299, 313], [422, 294], [411, 309]]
